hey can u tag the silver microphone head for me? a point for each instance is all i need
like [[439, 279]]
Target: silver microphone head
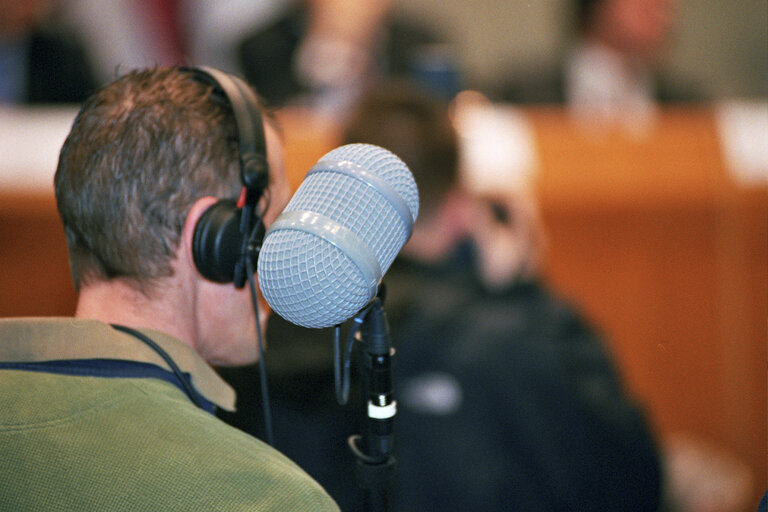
[[323, 258]]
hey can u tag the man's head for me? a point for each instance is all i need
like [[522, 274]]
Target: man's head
[[141, 151], [147, 154], [638, 28], [418, 128], [415, 126]]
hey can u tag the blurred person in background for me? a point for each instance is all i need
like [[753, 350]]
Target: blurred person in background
[[507, 399], [125, 34], [40, 61], [317, 53], [613, 68], [323, 53]]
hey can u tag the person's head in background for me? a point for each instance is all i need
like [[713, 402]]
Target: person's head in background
[[417, 126], [639, 29], [146, 156]]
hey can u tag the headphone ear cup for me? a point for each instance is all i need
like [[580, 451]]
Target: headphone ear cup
[[217, 240]]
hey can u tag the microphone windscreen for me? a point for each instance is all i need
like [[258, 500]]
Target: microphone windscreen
[[323, 258]]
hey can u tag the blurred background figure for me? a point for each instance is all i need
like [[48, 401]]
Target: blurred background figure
[[611, 72], [323, 53], [507, 399], [40, 62], [317, 53], [492, 44], [126, 34]]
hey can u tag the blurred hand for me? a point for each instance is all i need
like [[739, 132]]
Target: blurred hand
[[509, 237], [337, 53]]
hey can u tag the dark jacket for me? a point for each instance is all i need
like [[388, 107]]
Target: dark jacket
[[506, 402]]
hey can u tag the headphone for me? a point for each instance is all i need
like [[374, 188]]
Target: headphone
[[230, 231]]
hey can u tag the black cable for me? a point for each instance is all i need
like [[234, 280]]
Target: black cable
[[342, 391], [342, 381], [260, 343], [188, 388]]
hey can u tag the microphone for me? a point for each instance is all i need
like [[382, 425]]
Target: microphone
[[323, 258]]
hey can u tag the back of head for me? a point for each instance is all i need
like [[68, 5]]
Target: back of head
[[140, 152], [415, 126]]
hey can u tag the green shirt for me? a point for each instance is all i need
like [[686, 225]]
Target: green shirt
[[81, 443]]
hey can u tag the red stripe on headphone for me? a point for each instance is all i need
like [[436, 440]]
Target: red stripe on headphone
[[241, 199]]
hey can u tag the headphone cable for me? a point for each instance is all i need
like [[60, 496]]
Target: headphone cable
[[259, 337]]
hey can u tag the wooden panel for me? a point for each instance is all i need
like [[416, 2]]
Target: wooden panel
[[34, 268], [306, 138], [670, 258]]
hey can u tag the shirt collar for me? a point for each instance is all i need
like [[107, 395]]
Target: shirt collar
[[600, 80], [49, 339]]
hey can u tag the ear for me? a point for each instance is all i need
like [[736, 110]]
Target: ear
[[188, 233]]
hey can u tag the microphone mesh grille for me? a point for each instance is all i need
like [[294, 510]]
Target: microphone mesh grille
[[305, 278], [357, 207], [384, 164], [300, 279]]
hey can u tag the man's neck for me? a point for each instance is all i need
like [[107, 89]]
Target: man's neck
[[117, 302]]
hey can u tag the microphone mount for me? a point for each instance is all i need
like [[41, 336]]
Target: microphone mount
[[375, 463]]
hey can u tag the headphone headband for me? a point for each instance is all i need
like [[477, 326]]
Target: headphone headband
[[250, 127], [223, 233]]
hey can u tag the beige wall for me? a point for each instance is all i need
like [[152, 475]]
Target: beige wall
[[720, 45]]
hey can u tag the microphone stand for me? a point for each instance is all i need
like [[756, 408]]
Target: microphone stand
[[373, 450]]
